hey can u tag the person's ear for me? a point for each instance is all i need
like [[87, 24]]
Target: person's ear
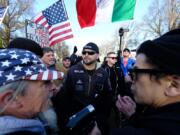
[[7, 99], [173, 87], [6, 96], [97, 56]]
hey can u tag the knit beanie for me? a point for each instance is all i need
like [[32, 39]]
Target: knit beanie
[[164, 52]]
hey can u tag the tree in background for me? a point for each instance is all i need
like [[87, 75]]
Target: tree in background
[[109, 46], [162, 16], [1, 46], [130, 39], [61, 50], [3, 3], [15, 18], [133, 37]]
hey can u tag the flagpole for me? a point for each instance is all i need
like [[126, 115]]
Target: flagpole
[[4, 14], [119, 53], [26, 24], [64, 8], [121, 34]]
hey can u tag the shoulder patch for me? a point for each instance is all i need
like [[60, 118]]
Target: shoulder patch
[[78, 71]]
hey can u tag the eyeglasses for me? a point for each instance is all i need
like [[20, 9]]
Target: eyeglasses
[[88, 52], [133, 73], [112, 58]]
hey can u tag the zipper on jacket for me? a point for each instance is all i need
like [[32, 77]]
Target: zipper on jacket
[[89, 85]]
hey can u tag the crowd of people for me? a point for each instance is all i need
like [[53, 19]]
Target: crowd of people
[[130, 97]]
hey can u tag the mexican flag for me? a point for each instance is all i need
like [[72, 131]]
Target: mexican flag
[[91, 12]]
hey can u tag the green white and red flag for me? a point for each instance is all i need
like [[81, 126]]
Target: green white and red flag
[[91, 12]]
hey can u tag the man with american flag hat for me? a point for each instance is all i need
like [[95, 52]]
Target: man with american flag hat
[[24, 91]]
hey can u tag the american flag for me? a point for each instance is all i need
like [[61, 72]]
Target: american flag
[[55, 19]]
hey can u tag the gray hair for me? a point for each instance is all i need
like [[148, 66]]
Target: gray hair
[[19, 88]]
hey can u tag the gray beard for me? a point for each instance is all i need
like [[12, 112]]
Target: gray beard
[[50, 117]]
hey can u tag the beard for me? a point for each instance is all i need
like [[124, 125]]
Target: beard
[[89, 62], [50, 117]]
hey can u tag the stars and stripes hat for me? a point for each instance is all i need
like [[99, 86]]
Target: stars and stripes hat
[[17, 64]]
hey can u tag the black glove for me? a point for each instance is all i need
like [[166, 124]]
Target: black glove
[[75, 49]]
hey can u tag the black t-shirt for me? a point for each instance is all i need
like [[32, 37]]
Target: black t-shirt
[[90, 72]]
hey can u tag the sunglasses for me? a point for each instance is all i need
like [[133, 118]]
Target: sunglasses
[[88, 52], [133, 73], [113, 58]]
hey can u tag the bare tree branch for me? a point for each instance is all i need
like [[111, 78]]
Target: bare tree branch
[[14, 20], [164, 15]]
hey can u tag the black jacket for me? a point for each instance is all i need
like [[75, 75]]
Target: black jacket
[[81, 89], [116, 78], [161, 121], [24, 133]]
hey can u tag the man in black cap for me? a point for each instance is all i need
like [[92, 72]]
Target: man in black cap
[[86, 83]]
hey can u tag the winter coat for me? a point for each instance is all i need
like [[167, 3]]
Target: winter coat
[[116, 78], [81, 89], [160, 121]]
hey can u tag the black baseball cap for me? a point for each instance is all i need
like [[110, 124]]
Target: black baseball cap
[[126, 50], [91, 46]]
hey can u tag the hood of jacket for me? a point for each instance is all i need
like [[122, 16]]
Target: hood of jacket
[[10, 124]]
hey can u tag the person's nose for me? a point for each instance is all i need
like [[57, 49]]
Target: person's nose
[[52, 57], [52, 88]]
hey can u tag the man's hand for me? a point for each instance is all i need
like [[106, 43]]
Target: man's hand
[[128, 79], [95, 131], [126, 105], [75, 50]]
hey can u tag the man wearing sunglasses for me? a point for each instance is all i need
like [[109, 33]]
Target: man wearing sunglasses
[[87, 83], [117, 83], [108, 65], [156, 84]]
